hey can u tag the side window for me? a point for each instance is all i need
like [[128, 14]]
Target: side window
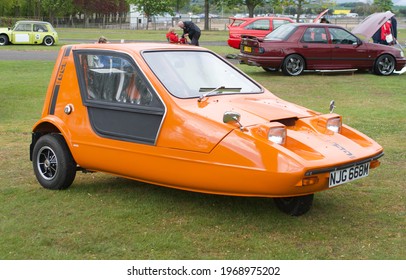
[[262, 24], [308, 36], [278, 22], [40, 28], [315, 35], [341, 36], [115, 79], [120, 102], [23, 27]]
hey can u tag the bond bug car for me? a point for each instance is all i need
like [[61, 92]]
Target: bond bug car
[[182, 117]]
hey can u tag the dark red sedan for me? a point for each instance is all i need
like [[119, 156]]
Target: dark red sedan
[[294, 48]]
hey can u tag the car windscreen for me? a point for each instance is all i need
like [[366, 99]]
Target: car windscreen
[[189, 74], [282, 33]]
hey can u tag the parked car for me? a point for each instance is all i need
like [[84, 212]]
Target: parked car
[[258, 27], [183, 117], [312, 46], [29, 32]]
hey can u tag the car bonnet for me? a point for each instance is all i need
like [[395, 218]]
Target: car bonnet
[[367, 28], [253, 109]]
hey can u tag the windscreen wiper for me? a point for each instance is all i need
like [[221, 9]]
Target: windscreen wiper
[[215, 91]]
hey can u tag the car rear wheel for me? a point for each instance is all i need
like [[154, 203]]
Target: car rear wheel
[[3, 40], [295, 206], [384, 65], [53, 163], [293, 65], [49, 41]]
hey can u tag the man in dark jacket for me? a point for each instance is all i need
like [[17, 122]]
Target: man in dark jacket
[[192, 30]]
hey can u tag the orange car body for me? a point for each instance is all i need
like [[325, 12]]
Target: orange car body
[[185, 143]]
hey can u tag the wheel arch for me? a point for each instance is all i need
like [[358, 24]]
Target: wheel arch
[[299, 54], [385, 53], [40, 130]]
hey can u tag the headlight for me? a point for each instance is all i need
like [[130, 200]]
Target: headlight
[[334, 124], [402, 54], [277, 135]]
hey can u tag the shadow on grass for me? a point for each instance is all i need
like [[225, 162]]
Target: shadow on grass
[[142, 194]]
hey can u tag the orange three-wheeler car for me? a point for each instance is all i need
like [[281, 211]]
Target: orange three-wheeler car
[[182, 117]]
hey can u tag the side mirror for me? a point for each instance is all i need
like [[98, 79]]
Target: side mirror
[[232, 117], [332, 106]]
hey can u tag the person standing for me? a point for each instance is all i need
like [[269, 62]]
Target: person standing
[[192, 30], [386, 30]]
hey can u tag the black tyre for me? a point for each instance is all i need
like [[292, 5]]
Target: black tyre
[[53, 163], [3, 40], [49, 41], [293, 65], [384, 65], [270, 69], [295, 206]]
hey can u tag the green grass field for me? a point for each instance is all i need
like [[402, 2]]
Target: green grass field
[[105, 217]]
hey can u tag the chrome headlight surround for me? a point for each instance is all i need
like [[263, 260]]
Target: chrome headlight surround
[[334, 124], [277, 135]]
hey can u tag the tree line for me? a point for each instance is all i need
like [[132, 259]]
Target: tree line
[[116, 11]]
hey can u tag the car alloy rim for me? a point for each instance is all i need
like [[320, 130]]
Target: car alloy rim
[[47, 163], [386, 65], [294, 65]]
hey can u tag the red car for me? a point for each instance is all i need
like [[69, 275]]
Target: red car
[[294, 48], [258, 27]]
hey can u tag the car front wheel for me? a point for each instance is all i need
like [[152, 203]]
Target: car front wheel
[[49, 41], [3, 40], [53, 163], [295, 206], [384, 65], [293, 65]]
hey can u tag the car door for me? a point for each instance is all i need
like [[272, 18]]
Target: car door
[[315, 48], [22, 33], [348, 52], [120, 102]]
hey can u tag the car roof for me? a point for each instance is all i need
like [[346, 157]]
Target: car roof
[[316, 24], [136, 47], [256, 18], [32, 21]]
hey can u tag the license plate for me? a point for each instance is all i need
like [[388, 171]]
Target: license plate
[[349, 174], [247, 49]]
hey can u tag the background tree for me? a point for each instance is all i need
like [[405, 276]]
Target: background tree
[[56, 7], [152, 7], [383, 5], [179, 4], [251, 4]]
